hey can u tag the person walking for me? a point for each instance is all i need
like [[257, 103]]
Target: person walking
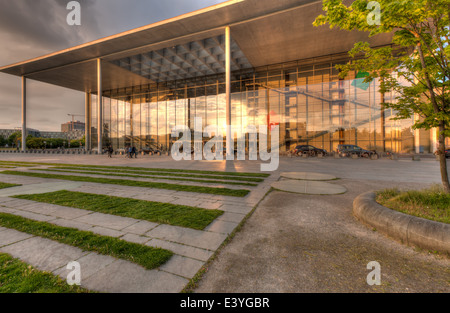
[[110, 151], [134, 151]]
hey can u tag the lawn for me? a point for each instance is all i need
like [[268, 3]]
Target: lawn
[[19, 277], [171, 174], [119, 174], [432, 204], [5, 185], [140, 169], [125, 182], [148, 257], [157, 212]]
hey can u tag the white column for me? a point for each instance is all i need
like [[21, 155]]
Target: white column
[[230, 139], [87, 120], [24, 113], [417, 135], [434, 140], [99, 106]]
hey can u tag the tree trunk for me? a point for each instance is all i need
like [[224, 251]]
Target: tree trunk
[[442, 158]]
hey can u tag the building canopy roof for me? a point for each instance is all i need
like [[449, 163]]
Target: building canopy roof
[[263, 32]]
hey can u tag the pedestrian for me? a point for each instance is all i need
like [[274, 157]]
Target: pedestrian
[[134, 151], [110, 151]]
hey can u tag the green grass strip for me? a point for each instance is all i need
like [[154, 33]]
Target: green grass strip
[[148, 257], [131, 171], [5, 185], [143, 169], [19, 277], [162, 213], [109, 173], [432, 204], [124, 182]]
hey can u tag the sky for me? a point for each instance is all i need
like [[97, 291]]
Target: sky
[[32, 28]]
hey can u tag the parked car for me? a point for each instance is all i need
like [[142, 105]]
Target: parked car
[[348, 150], [148, 150], [311, 150], [447, 153]]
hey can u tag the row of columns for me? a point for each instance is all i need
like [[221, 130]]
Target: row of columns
[[88, 104]]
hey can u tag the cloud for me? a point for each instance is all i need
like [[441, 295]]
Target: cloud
[[31, 28]]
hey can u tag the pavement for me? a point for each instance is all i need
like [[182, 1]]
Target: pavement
[[292, 242]]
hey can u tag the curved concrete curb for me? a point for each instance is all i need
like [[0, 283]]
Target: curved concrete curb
[[411, 230]]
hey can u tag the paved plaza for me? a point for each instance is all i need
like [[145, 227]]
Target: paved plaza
[[291, 243]]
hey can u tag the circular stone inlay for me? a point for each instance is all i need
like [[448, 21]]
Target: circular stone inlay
[[309, 187], [307, 176]]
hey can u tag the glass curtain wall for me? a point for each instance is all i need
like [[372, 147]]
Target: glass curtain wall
[[308, 100]]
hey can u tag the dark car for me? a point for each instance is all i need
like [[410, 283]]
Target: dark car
[[349, 150], [311, 150], [148, 150], [447, 153]]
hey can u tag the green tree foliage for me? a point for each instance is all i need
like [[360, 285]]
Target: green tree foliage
[[415, 66], [15, 138]]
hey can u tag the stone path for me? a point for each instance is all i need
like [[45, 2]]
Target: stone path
[[98, 272], [191, 248]]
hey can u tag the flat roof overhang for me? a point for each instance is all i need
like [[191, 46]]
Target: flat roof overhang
[[264, 32]]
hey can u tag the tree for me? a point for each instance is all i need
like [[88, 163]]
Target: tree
[[15, 138], [415, 66], [3, 141]]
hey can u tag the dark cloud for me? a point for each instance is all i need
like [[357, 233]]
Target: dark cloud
[[31, 28]]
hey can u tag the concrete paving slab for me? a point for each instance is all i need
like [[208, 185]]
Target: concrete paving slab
[[89, 265], [182, 266], [191, 237], [68, 213], [102, 231], [231, 217], [39, 188], [72, 224], [7, 210], [235, 208], [44, 254], [140, 228], [309, 187], [221, 227], [307, 176], [135, 238], [10, 236], [38, 208], [34, 216], [107, 220], [180, 249], [126, 277]]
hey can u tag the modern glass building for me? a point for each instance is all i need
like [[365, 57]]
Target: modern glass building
[[252, 62]]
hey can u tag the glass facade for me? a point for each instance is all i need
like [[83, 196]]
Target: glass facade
[[306, 98]]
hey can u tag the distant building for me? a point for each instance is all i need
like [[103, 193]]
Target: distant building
[[71, 126], [70, 135], [5, 133]]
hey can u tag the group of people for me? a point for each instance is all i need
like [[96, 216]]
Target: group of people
[[129, 152]]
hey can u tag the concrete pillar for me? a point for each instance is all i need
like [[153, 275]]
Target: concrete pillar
[[24, 113], [417, 136], [87, 121], [99, 106], [230, 140], [434, 140]]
